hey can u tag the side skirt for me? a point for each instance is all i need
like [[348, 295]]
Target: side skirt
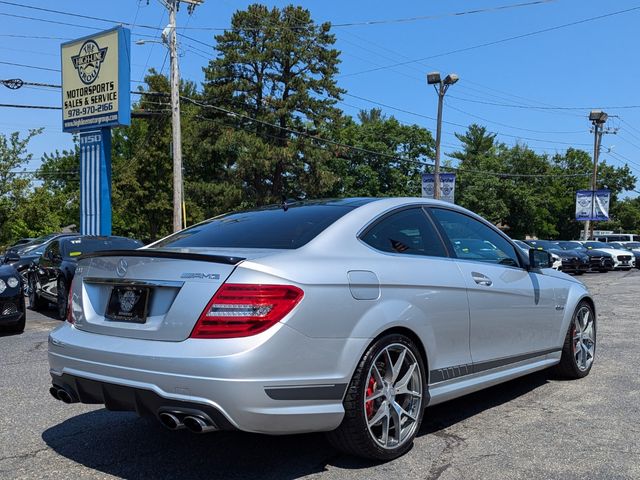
[[486, 374]]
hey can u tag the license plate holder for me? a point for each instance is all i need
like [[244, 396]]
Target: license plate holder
[[128, 304]]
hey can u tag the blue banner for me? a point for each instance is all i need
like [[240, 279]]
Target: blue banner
[[95, 182], [592, 205]]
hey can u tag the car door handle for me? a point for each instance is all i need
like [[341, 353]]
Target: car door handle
[[481, 279]]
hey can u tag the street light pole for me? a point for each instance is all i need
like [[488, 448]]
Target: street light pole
[[598, 119], [441, 86]]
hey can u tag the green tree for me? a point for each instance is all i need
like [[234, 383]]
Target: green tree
[[14, 187], [276, 68], [478, 188], [388, 158]]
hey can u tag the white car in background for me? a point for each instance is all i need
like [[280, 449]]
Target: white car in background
[[622, 259]]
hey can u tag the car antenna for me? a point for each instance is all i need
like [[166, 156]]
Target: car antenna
[[284, 204]]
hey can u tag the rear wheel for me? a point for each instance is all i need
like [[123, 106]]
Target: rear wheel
[[579, 349], [35, 302], [62, 299], [384, 403]]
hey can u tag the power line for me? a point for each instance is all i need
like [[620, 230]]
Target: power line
[[444, 15], [345, 24], [30, 66], [533, 107], [511, 126], [496, 42], [37, 107]]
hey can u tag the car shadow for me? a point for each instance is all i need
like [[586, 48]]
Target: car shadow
[[124, 445]]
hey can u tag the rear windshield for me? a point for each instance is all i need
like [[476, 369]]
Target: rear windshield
[[79, 246], [270, 227]]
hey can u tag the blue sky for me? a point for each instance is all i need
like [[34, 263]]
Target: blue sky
[[588, 65]]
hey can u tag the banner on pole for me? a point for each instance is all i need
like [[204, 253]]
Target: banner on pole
[[447, 186], [592, 205]]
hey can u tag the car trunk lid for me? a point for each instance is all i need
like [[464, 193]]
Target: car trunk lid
[[146, 293]]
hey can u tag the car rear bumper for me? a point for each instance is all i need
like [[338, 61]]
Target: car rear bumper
[[280, 384]]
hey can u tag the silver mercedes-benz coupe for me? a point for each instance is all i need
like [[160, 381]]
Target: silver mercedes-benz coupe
[[344, 316]]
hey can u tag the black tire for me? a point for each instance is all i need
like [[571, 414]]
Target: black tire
[[62, 299], [35, 302], [579, 272], [603, 270], [353, 436], [568, 366]]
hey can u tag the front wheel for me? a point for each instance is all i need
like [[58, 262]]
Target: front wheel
[[579, 349], [384, 402]]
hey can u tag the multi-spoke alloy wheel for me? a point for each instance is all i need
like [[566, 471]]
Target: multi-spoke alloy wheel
[[578, 351], [393, 397], [584, 338], [384, 402]]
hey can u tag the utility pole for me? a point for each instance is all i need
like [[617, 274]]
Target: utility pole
[[441, 87], [598, 119], [170, 38]]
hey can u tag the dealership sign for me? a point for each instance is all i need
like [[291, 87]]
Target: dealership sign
[[592, 205], [96, 81], [447, 186]]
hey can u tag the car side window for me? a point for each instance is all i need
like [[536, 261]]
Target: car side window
[[51, 250], [408, 232], [473, 240]]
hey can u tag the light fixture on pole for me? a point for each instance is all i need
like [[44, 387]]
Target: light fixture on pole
[[441, 86], [597, 118]]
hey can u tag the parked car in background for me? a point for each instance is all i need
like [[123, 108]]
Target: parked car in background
[[344, 316], [622, 259], [19, 244], [572, 262], [633, 247], [12, 307], [50, 278], [29, 254], [557, 261], [598, 260], [629, 245], [618, 237]]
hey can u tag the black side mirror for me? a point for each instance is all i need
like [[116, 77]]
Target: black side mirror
[[539, 259], [11, 257]]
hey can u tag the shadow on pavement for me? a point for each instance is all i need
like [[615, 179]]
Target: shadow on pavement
[[127, 446]]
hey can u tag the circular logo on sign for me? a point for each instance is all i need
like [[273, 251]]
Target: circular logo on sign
[[88, 61]]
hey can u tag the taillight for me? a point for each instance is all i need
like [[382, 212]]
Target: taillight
[[238, 310]]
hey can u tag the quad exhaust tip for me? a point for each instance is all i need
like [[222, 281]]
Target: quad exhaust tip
[[170, 421], [62, 395], [197, 424]]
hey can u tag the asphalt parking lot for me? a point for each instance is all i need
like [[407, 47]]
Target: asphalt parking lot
[[533, 427]]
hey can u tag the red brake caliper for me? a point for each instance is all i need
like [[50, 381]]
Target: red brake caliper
[[368, 406]]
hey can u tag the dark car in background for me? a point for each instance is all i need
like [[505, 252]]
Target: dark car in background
[[27, 255], [19, 244], [572, 262], [598, 260], [633, 247], [12, 307], [50, 278]]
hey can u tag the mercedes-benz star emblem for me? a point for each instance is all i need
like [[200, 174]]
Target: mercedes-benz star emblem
[[121, 269]]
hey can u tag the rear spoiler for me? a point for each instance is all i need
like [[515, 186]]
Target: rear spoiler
[[150, 253]]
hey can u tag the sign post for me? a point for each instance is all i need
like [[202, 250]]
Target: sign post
[[96, 73]]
